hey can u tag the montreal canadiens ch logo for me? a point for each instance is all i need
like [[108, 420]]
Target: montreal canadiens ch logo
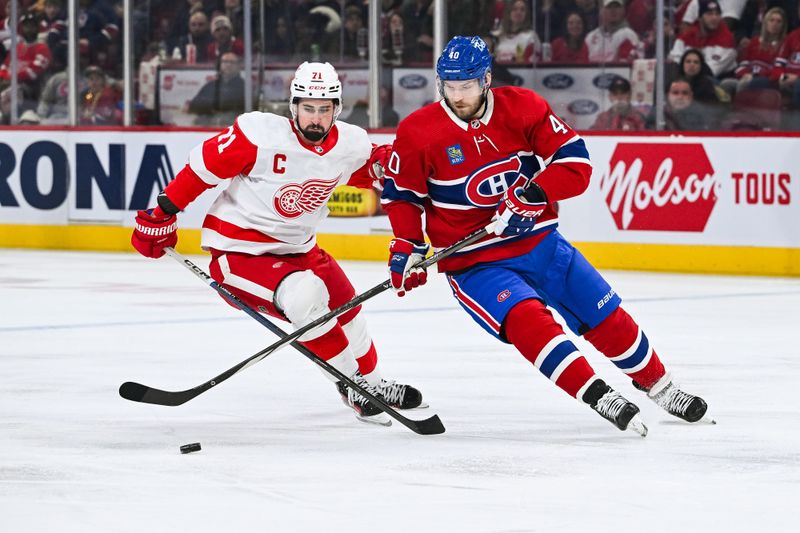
[[503, 295], [294, 199], [486, 186]]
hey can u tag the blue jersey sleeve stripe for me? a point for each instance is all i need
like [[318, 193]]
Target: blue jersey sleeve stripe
[[573, 150], [392, 193]]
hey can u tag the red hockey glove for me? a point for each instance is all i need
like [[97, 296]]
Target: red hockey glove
[[378, 160], [154, 231], [403, 256], [519, 209]]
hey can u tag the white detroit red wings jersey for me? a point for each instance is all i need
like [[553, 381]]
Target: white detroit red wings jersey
[[278, 184], [457, 172]]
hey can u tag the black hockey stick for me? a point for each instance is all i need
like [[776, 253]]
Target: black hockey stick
[[142, 393]]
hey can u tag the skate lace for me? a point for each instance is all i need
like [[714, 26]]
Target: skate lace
[[392, 392], [610, 404], [357, 397], [674, 400]]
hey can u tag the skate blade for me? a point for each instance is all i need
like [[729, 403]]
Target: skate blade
[[707, 419], [637, 426], [423, 405], [376, 420]]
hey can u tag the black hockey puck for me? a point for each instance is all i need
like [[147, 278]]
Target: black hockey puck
[[189, 448]]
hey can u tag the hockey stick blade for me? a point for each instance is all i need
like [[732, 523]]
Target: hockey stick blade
[[136, 392]]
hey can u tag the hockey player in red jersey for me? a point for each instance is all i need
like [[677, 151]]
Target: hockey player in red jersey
[[501, 154], [260, 231]]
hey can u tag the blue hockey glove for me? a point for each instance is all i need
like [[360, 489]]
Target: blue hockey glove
[[519, 209]]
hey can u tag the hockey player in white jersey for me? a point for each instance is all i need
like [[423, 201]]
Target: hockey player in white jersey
[[261, 231]]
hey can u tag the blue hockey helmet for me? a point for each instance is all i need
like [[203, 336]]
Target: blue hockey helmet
[[464, 58]]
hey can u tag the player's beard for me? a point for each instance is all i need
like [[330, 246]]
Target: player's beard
[[468, 113], [314, 133]]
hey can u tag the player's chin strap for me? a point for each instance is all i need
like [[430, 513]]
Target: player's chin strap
[[141, 393]]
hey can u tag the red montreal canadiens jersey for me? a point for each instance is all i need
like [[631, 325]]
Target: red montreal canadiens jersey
[[278, 185], [456, 172]]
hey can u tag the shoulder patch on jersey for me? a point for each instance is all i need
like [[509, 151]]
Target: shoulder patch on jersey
[[455, 154]]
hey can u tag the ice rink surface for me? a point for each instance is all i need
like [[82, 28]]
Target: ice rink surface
[[281, 452]]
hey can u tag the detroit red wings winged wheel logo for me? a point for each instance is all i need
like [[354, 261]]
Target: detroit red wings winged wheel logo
[[293, 200]]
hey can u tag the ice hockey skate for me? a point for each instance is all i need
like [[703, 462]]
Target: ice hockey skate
[[365, 410], [668, 395], [612, 406], [401, 396]]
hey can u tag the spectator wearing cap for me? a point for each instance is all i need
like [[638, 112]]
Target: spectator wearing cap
[[730, 10], [613, 41], [223, 39], [621, 115], [33, 58], [98, 101], [711, 37], [29, 118], [571, 47], [220, 100]]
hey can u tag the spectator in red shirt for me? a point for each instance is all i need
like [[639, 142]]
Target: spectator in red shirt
[[642, 16], [758, 60], [98, 102], [710, 36], [620, 115], [571, 48], [786, 69], [223, 39], [33, 58]]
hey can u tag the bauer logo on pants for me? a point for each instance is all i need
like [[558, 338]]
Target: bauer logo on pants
[[660, 186]]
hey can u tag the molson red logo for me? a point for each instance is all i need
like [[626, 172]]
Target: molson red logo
[[660, 187]]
